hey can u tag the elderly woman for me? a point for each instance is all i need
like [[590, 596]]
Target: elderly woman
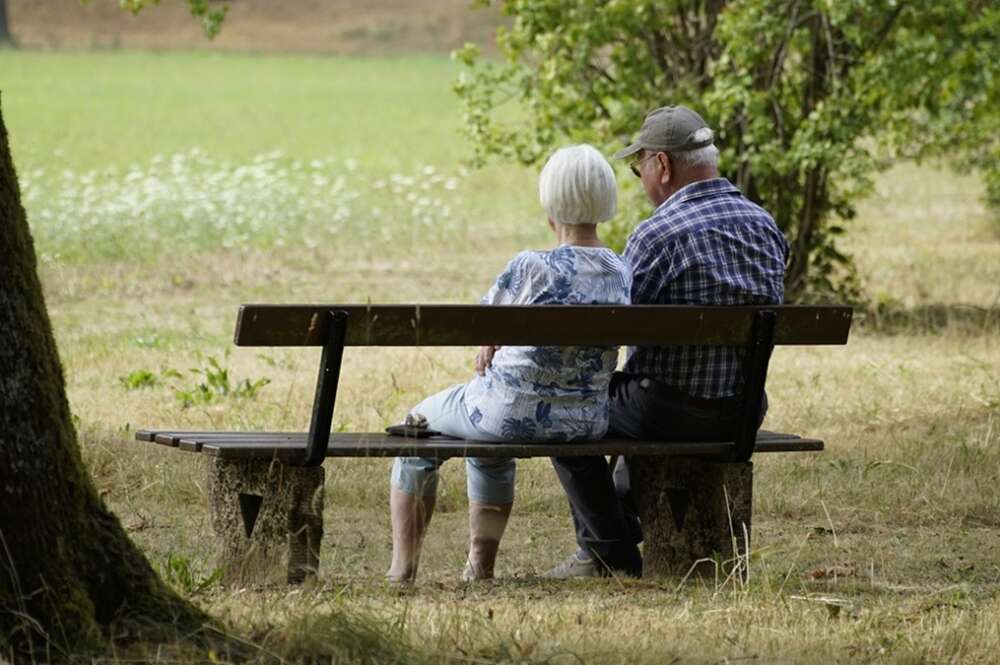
[[523, 392]]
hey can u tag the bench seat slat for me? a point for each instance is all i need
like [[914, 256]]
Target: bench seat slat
[[195, 444], [290, 445], [173, 439]]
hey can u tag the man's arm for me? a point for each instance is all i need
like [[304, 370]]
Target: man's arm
[[649, 267]]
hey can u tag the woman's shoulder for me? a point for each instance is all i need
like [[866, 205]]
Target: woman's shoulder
[[520, 272], [568, 257], [527, 260], [578, 253], [609, 276], [608, 259]]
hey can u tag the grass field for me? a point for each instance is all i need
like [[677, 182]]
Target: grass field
[[164, 190]]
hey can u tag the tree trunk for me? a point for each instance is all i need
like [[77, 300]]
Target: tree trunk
[[810, 216], [68, 572], [814, 200], [5, 36]]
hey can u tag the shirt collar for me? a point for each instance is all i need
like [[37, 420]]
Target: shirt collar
[[697, 190]]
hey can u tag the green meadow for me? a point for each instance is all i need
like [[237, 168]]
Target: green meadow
[[126, 107], [164, 189]]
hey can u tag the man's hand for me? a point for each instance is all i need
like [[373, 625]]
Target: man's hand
[[484, 358]]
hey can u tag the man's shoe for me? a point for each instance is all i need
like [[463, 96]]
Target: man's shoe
[[577, 564]]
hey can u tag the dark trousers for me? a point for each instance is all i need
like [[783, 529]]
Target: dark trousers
[[604, 514]]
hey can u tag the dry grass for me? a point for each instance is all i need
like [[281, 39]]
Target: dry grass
[[926, 239]]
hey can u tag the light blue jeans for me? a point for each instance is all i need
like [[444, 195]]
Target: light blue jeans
[[490, 479]]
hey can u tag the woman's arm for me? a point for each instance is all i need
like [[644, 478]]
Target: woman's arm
[[508, 289], [484, 358]]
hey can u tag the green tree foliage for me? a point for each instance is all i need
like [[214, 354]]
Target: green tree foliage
[[211, 17], [809, 98], [954, 106]]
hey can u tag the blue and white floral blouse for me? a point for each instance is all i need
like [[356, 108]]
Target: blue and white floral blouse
[[550, 392]]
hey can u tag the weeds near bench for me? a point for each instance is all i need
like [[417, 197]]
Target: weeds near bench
[[179, 571], [217, 384], [140, 378]]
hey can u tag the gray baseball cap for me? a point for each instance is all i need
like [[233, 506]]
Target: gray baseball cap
[[670, 129]]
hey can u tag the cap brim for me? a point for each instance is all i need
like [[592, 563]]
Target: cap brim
[[631, 150]]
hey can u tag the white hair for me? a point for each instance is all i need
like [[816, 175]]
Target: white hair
[[577, 186], [707, 156]]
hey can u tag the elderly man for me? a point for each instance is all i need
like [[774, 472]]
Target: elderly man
[[705, 244]]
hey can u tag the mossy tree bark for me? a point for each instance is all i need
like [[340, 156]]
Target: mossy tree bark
[[5, 38], [68, 572]]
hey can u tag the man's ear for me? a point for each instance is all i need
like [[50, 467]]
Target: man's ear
[[552, 224], [666, 173]]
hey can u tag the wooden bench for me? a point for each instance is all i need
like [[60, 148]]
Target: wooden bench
[[694, 498]]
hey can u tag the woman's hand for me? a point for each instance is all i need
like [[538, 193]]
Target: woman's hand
[[484, 359]]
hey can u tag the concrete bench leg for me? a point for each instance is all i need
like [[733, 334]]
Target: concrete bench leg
[[692, 509], [268, 518]]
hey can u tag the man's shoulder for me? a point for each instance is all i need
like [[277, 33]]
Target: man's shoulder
[[716, 200], [703, 206], [669, 225], [699, 215]]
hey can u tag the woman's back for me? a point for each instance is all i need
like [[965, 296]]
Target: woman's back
[[548, 392]]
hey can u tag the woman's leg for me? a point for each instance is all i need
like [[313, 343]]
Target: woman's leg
[[414, 485], [491, 496], [411, 506], [445, 412], [490, 480], [491, 485]]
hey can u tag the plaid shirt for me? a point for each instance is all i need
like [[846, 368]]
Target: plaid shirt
[[705, 245]]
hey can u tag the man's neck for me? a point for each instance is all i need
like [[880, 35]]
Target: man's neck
[[697, 174]]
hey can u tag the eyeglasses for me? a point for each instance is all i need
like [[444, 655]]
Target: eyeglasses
[[634, 166]]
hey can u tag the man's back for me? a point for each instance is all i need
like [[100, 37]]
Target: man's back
[[705, 245]]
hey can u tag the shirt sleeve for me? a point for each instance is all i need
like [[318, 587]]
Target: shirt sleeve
[[514, 285], [645, 268]]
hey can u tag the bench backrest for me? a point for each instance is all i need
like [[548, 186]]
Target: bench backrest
[[757, 329], [553, 325]]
